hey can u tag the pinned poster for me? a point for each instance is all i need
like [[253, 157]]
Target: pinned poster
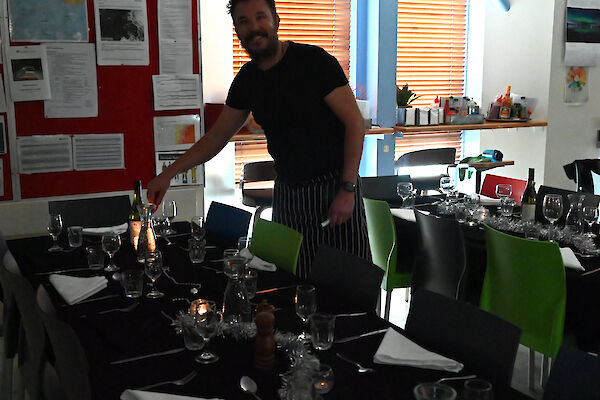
[[175, 36], [177, 92], [577, 88], [1, 177], [3, 145], [176, 133], [582, 45], [28, 73]]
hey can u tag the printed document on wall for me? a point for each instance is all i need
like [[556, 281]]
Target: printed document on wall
[[28, 73], [121, 32], [72, 69], [2, 96], [48, 20], [175, 36], [582, 44], [176, 92], [176, 133], [1, 177]]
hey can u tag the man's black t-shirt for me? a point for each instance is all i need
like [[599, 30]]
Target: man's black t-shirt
[[304, 137]]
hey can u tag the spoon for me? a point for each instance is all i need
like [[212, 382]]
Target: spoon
[[249, 386], [361, 369], [456, 378]]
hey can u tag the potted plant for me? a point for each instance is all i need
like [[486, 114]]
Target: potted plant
[[404, 96]]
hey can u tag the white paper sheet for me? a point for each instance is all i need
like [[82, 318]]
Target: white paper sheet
[[73, 83], [44, 153], [175, 36], [176, 92], [28, 73], [121, 32], [176, 133], [3, 144], [193, 176], [1, 177], [2, 95]]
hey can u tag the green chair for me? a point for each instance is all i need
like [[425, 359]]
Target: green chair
[[382, 239], [525, 284], [276, 243]]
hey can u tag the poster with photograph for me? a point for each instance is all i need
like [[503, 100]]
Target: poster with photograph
[[3, 144], [28, 73], [193, 176], [121, 32], [576, 88], [582, 45], [176, 133]]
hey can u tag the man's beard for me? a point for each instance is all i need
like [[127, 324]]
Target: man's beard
[[267, 52]]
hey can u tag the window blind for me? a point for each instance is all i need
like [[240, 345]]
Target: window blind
[[431, 58], [324, 23]]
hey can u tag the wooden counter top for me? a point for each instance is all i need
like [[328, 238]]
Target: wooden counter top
[[485, 125]]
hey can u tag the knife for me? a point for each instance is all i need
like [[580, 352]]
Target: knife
[[110, 296], [348, 339], [275, 289], [162, 353], [61, 271], [356, 314]]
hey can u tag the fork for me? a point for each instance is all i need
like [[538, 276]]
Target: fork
[[361, 369], [124, 309], [178, 382], [180, 283]]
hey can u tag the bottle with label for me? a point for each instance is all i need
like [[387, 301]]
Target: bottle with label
[[528, 199], [506, 105], [135, 222]]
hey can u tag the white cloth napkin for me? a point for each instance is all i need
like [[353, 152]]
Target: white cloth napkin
[[101, 231], [488, 201], [141, 395], [74, 289], [398, 350], [256, 262], [406, 213], [569, 259]]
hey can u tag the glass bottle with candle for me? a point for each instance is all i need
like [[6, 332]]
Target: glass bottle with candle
[[135, 223], [236, 302], [147, 239]]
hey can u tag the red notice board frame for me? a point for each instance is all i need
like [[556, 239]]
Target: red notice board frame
[[125, 105]]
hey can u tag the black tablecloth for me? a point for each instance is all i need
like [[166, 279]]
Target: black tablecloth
[[145, 330]]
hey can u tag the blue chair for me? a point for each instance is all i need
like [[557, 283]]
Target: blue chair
[[225, 224]]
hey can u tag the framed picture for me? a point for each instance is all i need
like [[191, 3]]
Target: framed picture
[[576, 85]]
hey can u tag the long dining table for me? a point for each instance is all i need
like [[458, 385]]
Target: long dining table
[[147, 329]]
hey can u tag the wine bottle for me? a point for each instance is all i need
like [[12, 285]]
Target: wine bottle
[[135, 222], [528, 199]]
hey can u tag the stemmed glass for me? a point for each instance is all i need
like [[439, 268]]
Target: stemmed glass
[[202, 324], [552, 207], [447, 185], [503, 190], [406, 193], [54, 229], [169, 211], [111, 242], [306, 305], [590, 215], [471, 204], [153, 269], [197, 228]]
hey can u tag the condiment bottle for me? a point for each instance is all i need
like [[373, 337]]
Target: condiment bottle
[[264, 343]]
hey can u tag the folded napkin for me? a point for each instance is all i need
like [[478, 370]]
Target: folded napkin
[[569, 259], [100, 231], [488, 201], [406, 213], [74, 289], [256, 262], [398, 350], [141, 395]]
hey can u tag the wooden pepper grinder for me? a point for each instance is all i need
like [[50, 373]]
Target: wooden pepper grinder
[[264, 343]]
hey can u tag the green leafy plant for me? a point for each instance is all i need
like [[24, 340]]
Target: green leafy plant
[[405, 96]]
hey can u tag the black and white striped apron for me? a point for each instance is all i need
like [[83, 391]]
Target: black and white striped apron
[[305, 206]]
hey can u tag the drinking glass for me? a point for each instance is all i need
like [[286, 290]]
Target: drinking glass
[[507, 206], [153, 269], [324, 379], [95, 257], [197, 228], [169, 211], [250, 281], [197, 250], [503, 190], [206, 323], [552, 207], [471, 204], [75, 234], [244, 242], [322, 328], [434, 391], [446, 184], [111, 242], [590, 215], [54, 229], [477, 389], [406, 192], [306, 305], [132, 282], [460, 213]]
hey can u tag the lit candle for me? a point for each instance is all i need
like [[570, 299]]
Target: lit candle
[[200, 306]]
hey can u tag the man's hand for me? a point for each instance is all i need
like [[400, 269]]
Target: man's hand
[[157, 189], [341, 207]]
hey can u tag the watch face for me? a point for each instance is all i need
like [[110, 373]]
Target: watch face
[[349, 186]]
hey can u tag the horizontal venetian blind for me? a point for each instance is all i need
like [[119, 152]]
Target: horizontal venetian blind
[[324, 23], [431, 58]]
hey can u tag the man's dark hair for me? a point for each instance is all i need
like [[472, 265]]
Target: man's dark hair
[[233, 3]]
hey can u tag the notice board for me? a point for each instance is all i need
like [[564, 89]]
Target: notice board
[[125, 105]]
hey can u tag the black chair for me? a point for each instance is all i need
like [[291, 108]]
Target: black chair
[[446, 155], [574, 375], [344, 282], [93, 212], [3, 245], [261, 198], [382, 187], [65, 374], [225, 224], [442, 261], [580, 172], [10, 322], [483, 342]]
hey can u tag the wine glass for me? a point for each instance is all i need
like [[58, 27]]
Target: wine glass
[[169, 211], [206, 323], [503, 190], [471, 204], [54, 229], [197, 228], [153, 269], [590, 215], [447, 184], [552, 207], [306, 305], [111, 242]]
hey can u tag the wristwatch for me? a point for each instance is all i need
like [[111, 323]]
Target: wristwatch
[[349, 186]]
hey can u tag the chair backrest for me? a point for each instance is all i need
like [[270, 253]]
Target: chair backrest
[[525, 284], [446, 155], [92, 212], [574, 375], [3, 245], [485, 343], [276, 243], [442, 261], [345, 282], [488, 188], [10, 312], [259, 171], [580, 172], [225, 224], [382, 187], [66, 375]]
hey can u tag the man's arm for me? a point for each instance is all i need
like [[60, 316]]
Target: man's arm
[[229, 122], [343, 104]]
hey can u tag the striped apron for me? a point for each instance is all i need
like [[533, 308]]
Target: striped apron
[[305, 206]]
